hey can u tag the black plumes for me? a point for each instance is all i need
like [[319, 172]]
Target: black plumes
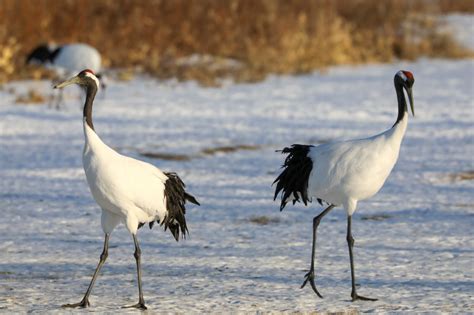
[[43, 54], [293, 181], [176, 198], [40, 54]]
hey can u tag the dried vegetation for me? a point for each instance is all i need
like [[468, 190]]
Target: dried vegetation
[[263, 36]]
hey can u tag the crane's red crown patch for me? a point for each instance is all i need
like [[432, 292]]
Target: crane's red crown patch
[[409, 75]]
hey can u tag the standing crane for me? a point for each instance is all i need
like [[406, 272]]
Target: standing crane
[[344, 172], [67, 60], [152, 196]]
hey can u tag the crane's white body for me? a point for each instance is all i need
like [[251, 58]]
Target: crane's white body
[[344, 172], [73, 58], [348, 171], [128, 190]]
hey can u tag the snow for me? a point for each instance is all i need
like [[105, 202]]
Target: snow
[[414, 245], [462, 27]]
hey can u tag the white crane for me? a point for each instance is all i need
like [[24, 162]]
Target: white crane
[[342, 173], [67, 60], [129, 191]]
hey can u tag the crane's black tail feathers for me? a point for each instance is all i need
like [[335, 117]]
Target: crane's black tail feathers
[[293, 181], [176, 198]]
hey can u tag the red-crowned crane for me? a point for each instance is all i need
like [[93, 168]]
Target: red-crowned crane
[[128, 191], [67, 60], [344, 172]]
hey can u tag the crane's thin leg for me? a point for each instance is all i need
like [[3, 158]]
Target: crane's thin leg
[[310, 275], [103, 257], [57, 97], [60, 99], [53, 99], [141, 300], [350, 242]]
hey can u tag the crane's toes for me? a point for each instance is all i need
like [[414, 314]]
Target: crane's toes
[[83, 304], [356, 297], [140, 306], [310, 277]]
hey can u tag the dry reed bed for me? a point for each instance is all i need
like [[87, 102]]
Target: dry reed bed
[[265, 36]]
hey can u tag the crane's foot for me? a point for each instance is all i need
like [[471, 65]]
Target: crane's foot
[[310, 277], [139, 305], [356, 297], [83, 304]]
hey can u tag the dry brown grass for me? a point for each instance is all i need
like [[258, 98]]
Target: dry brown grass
[[456, 6], [31, 97], [265, 36]]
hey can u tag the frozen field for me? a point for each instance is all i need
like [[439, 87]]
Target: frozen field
[[414, 240]]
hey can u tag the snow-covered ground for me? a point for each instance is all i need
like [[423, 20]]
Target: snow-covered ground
[[414, 240]]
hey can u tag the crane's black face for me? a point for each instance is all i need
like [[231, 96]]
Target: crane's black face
[[85, 78], [406, 79]]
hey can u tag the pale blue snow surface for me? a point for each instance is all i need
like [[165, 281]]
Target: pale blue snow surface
[[414, 240]]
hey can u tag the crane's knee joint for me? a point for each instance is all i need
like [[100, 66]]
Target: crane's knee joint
[[104, 256], [137, 253], [350, 240], [316, 220]]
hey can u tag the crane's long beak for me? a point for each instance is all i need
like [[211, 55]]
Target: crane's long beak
[[410, 97], [72, 80]]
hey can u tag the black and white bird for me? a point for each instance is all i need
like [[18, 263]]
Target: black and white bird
[[342, 173], [67, 60], [128, 191]]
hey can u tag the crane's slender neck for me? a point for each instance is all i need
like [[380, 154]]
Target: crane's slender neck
[[402, 103], [91, 90]]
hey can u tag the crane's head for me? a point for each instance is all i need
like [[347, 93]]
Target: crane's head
[[84, 78], [406, 80]]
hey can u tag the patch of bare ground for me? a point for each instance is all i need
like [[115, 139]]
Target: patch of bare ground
[[166, 156], [229, 149], [376, 217], [465, 205], [461, 176], [203, 153], [264, 220]]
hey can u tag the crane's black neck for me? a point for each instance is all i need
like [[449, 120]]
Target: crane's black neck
[[91, 90], [402, 103]]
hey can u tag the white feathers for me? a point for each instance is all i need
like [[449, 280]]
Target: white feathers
[[126, 188], [73, 58], [92, 76], [346, 172]]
